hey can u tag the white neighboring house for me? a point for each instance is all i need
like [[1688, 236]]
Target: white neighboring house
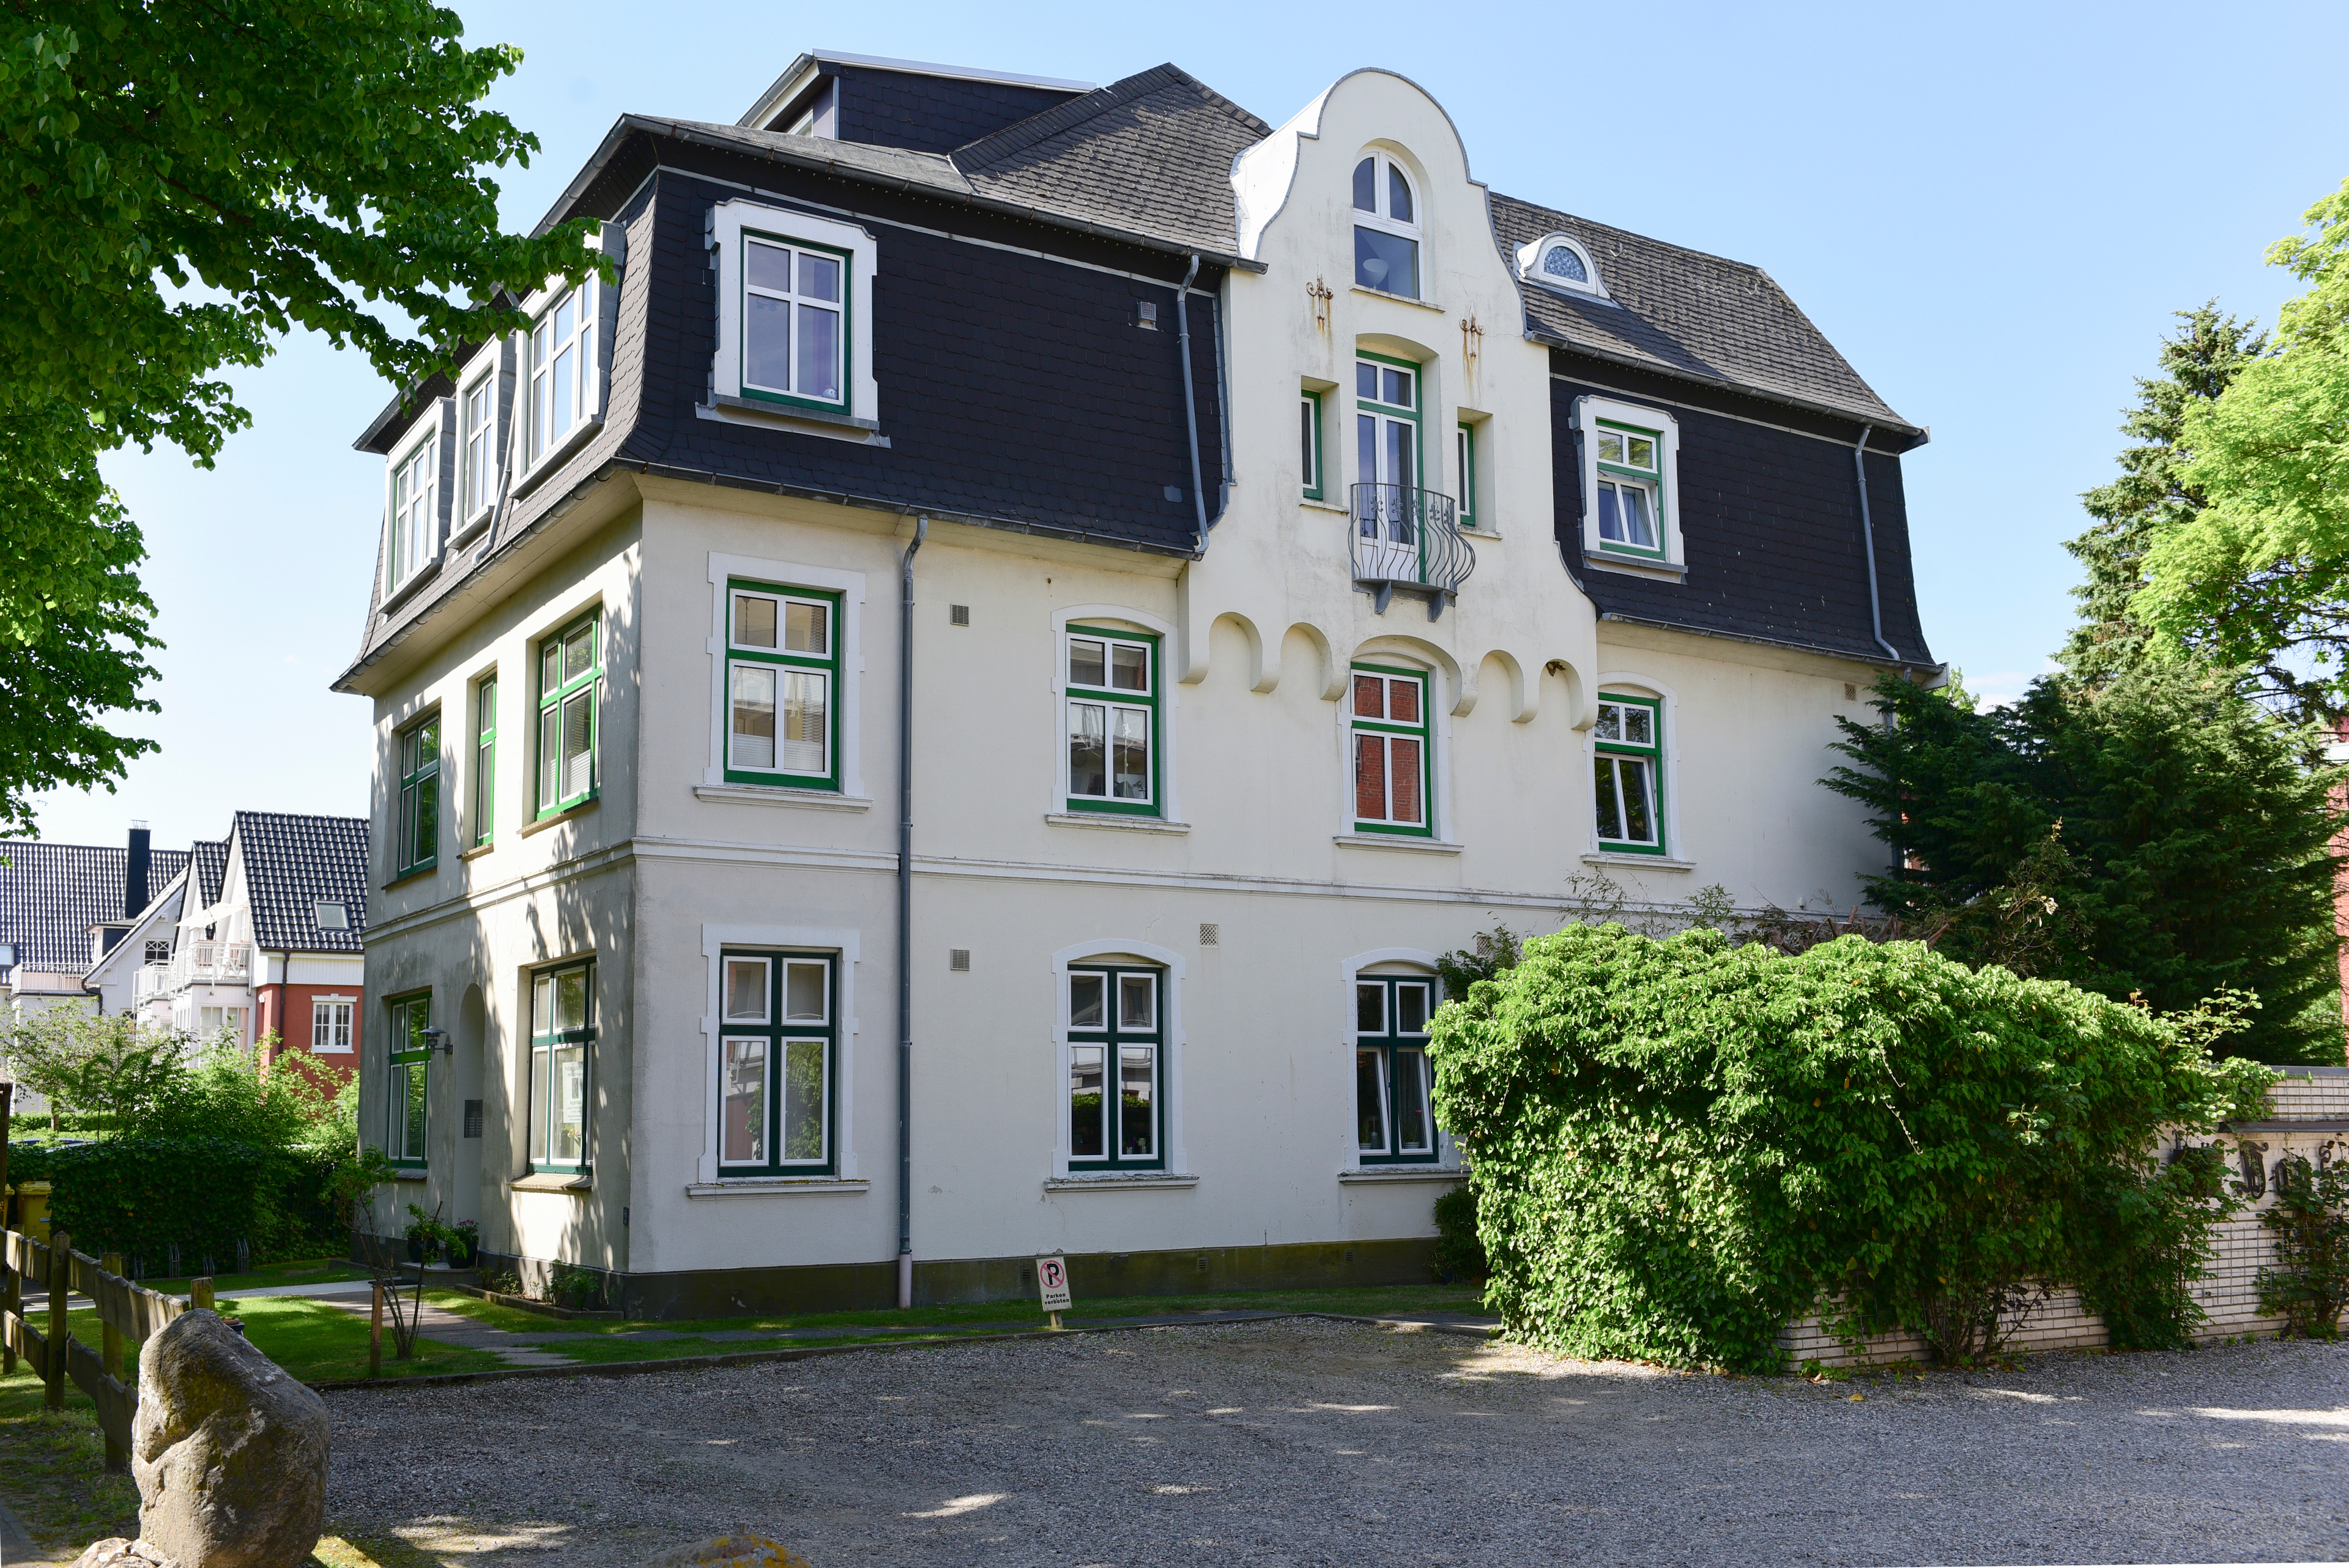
[[66, 909], [1307, 558]]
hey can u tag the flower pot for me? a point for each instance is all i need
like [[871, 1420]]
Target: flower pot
[[416, 1249]]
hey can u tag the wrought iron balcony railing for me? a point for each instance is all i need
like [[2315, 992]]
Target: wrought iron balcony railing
[[1408, 539]]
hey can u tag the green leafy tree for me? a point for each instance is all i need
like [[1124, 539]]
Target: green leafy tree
[[2159, 838], [225, 1092], [2198, 361], [2259, 578], [111, 1064], [180, 185]]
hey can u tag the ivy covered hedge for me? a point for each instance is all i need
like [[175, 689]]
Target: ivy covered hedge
[[139, 1196], [1679, 1146]]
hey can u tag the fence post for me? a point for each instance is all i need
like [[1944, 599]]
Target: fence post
[[109, 1354], [60, 1287], [199, 1292], [375, 1335], [11, 1297]]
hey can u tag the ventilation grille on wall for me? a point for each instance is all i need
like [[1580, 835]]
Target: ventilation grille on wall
[[472, 1118], [1210, 935], [958, 959], [958, 615]]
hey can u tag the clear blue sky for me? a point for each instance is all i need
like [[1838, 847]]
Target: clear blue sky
[[1991, 210]]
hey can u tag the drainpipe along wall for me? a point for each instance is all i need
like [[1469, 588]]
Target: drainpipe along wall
[[906, 921], [1190, 397]]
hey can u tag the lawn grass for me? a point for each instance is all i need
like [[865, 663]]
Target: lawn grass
[[53, 1468], [298, 1271]]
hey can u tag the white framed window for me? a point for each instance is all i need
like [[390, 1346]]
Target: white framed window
[[783, 666], [566, 380], [794, 313], [477, 432], [1560, 261], [1111, 705], [157, 952], [1630, 486], [415, 509], [1628, 758], [1309, 432], [330, 1026], [1386, 226]]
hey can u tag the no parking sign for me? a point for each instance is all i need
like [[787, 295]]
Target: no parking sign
[[1052, 1282]]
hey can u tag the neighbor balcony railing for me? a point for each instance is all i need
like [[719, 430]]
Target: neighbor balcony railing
[[200, 963], [1408, 539]]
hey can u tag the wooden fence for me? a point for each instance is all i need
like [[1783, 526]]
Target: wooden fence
[[127, 1314]]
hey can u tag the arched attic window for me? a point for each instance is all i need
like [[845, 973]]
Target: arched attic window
[[1386, 227], [1560, 261]]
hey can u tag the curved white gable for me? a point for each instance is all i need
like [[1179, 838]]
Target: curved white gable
[[1263, 175]]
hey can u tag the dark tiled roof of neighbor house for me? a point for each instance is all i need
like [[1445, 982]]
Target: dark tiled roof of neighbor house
[[51, 894], [292, 864], [210, 856], [1687, 314]]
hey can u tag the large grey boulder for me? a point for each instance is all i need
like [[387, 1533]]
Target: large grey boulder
[[229, 1451]]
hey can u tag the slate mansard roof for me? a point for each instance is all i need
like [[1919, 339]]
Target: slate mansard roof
[[294, 862], [52, 894], [1130, 180]]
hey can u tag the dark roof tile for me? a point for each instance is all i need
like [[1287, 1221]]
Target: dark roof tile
[[52, 894], [294, 862]]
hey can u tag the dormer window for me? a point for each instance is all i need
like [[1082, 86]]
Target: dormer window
[[1560, 261], [563, 379], [1386, 227], [794, 308], [415, 508], [1631, 484]]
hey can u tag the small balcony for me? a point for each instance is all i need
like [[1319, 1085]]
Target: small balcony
[[1408, 539], [197, 963]]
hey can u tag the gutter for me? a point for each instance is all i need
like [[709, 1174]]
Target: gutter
[[905, 923], [1868, 544], [1190, 396], [1785, 642]]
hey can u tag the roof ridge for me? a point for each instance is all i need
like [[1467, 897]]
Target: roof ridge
[[1021, 135]]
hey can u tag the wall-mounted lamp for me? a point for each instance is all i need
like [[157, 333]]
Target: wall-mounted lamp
[[437, 1039]]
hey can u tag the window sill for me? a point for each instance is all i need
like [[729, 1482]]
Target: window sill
[[415, 1175], [1645, 862], [776, 795], [727, 409], [470, 532], [791, 411], [477, 851], [1115, 1180], [779, 1187], [1665, 571], [1113, 819], [407, 591], [410, 875], [1378, 1175], [1399, 298], [1395, 841], [565, 815], [1323, 506], [556, 458], [552, 1181]]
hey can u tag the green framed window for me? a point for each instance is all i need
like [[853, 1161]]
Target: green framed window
[[783, 685], [1308, 429], [1631, 484], [1113, 713], [1117, 1103], [570, 668], [1387, 714], [796, 322], [412, 1053], [1627, 746], [780, 1064], [485, 760], [416, 839], [1394, 1121], [562, 1031], [1464, 453]]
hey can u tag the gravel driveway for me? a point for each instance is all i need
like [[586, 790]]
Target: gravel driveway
[[1313, 1442]]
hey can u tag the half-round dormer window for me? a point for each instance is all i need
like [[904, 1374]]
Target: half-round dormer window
[[1557, 261]]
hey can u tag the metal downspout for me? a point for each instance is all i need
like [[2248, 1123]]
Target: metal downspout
[[1868, 544], [1190, 397], [905, 923]]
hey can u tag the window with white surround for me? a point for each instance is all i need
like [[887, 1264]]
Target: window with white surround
[[1560, 261], [1308, 427], [1630, 483], [566, 382], [477, 429], [778, 1063], [1111, 710], [1386, 226], [570, 675], [1628, 753], [1116, 1104], [1394, 1119], [562, 1034], [414, 510], [1389, 736], [330, 1026], [782, 675], [795, 304]]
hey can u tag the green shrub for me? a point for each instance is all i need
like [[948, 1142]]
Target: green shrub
[[2309, 1288], [140, 1195], [1679, 1146], [1459, 1253]]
